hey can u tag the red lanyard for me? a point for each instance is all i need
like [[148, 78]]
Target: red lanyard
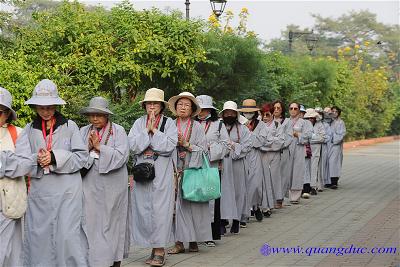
[[186, 129], [269, 123], [48, 142], [157, 121], [100, 136], [207, 126]]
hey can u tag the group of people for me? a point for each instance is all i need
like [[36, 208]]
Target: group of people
[[79, 210]]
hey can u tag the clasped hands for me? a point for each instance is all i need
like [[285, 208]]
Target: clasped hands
[[44, 158], [94, 142], [151, 123]]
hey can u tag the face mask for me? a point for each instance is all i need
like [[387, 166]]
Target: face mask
[[206, 118], [248, 115], [229, 120]]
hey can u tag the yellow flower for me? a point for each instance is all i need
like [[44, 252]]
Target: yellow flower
[[347, 49], [366, 43], [356, 46], [340, 51], [229, 12], [244, 10]]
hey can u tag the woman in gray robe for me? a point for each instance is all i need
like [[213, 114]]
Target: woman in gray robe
[[240, 144], [316, 140], [54, 221], [336, 152], [301, 135], [192, 219], [258, 184], [272, 154], [326, 121], [12, 168], [286, 160], [105, 185], [217, 143], [153, 138]]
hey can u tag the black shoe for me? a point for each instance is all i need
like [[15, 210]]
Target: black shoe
[[223, 230], [333, 186], [267, 213], [259, 215], [327, 186], [252, 213], [235, 227], [314, 192], [243, 225]]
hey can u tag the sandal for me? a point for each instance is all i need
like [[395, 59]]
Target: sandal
[[158, 260], [176, 249], [193, 247], [149, 259]]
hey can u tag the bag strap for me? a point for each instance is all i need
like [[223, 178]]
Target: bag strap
[[205, 161], [220, 126], [163, 124], [13, 132], [276, 124]]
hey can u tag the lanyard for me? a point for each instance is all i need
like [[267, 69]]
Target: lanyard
[[100, 136], [237, 131], [269, 123], [157, 121], [186, 129], [48, 142], [207, 126], [294, 121]]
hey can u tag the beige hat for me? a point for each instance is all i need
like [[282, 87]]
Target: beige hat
[[230, 105], [154, 95], [172, 101], [311, 113], [249, 105]]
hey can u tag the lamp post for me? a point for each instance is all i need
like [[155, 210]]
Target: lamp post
[[187, 3], [218, 7], [311, 39]]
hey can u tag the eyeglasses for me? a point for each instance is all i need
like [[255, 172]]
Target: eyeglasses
[[291, 108], [186, 106], [2, 111], [277, 107]]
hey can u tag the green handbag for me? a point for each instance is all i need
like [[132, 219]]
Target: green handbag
[[201, 185]]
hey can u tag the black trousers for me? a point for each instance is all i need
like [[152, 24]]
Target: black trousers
[[306, 188], [216, 225]]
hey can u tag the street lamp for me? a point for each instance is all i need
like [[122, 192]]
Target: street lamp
[[187, 3], [311, 39], [218, 7]]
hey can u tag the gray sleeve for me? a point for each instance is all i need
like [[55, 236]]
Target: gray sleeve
[[198, 143], [71, 161], [339, 133], [318, 136], [219, 149], [114, 157], [164, 143], [288, 133], [27, 159], [13, 166], [139, 139], [306, 132], [241, 149]]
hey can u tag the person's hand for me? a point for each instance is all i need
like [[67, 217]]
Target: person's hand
[[295, 134], [180, 139], [151, 123], [95, 141], [90, 144], [44, 158], [148, 153]]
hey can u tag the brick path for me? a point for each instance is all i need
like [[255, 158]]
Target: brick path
[[364, 211]]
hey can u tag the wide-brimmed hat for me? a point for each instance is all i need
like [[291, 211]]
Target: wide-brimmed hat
[[6, 100], [97, 104], [45, 94], [230, 105], [311, 113], [249, 105], [205, 101], [154, 95], [172, 101]]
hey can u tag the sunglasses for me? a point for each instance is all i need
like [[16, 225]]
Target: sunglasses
[[293, 108], [2, 111]]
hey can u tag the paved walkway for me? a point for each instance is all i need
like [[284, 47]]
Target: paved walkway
[[363, 212]]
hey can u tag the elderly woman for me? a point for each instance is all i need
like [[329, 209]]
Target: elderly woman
[[316, 140], [256, 184], [326, 146], [217, 143], [301, 135], [105, 187], [13, 203], [279, 113], [192, 219], [272, 154], [336, 152], [153, 139], [54, 233], [240, 144]]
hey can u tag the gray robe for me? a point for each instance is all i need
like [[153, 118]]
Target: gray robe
[[105, 191], [54, 221], [217, 143], [192, 219], [152, 206], [256, 184], [326, 145], [286, 160], [298, 153], [271, 156], [336, 151], [317, 138], [307, 164], [242, 145], [11, 229]]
